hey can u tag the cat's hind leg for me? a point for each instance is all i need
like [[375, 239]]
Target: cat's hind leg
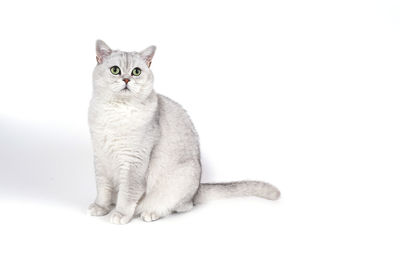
[[153, 207], [149, 215], [185, 207], [169, 192]]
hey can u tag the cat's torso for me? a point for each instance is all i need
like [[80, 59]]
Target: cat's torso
[[122, 134], [156, 143]]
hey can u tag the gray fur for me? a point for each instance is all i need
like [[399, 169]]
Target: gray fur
[[146, 149]]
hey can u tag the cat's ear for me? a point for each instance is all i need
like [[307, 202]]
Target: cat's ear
[[102, 50], [148, 54]]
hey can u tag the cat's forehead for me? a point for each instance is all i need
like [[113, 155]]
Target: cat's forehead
[[125, 59]]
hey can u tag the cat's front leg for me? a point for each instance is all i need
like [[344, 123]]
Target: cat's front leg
[[103, 203], [131, 189]]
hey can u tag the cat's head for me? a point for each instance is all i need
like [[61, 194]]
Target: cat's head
[[123, 74]]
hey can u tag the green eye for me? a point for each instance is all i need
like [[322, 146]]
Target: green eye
[[115, 70], [136, 72]]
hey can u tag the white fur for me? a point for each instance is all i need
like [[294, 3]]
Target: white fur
[[146, 150]]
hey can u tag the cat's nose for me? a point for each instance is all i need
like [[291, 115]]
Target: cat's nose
[[126, 80]]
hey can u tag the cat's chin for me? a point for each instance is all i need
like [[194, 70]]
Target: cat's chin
[[125, 92]]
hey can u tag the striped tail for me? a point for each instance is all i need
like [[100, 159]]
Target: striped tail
[[215, 191]]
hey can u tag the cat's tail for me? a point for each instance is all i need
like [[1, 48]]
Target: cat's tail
[[209, 192]]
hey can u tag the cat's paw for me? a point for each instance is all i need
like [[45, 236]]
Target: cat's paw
[[149, 216], [96, 210], [119, 218]]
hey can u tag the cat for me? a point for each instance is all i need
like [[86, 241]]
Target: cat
[[146, 149]]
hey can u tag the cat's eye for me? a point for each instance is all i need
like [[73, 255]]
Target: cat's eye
[[115, 70], [136, 72]]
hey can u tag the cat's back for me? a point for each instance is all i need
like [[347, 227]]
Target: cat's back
[[175, 124], [168, 106], [173, 114]]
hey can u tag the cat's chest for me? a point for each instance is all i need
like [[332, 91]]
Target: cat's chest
[[116, 119], [116, 127]]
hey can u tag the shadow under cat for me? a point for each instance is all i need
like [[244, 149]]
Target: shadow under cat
[[48, 164], [45, 164]]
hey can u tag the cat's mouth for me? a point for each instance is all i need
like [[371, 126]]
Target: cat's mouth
[[126, 89]]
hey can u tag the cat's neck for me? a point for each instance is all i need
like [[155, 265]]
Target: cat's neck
[[138, 101]]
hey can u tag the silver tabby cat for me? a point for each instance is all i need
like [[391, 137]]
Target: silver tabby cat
[[146, 149]]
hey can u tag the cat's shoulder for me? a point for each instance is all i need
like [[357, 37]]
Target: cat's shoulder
[[164, 100], [169, 106], [167, 103]]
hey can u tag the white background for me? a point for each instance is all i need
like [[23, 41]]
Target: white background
[[302, 94]]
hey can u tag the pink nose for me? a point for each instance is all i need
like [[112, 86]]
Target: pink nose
[[126, 80]]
